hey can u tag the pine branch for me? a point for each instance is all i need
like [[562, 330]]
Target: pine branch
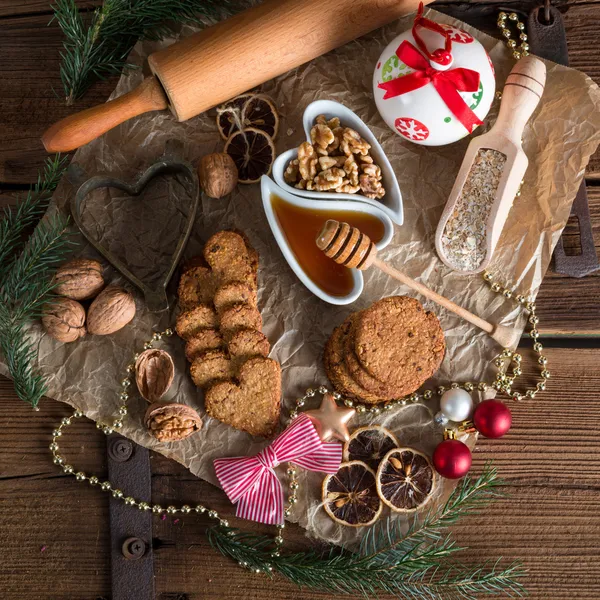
[[27, 279], [414, 566], [99, 48], [28, 211]]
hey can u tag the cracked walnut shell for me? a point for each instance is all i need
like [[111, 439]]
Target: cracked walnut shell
[[154, 372], [172, 422]]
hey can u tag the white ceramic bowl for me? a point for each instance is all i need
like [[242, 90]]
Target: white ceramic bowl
[[390, 204], [269, 187]]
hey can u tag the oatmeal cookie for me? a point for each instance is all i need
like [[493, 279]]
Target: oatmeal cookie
[[399, 343], [196, 286], [230, 259], [234, 292], [211, 366], [240, 316], [246, 343], [336, 370], [359, 374], [205, 339], [190, 322], [252, 405]]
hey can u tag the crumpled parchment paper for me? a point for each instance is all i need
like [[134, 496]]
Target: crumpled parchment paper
[[563, 133]]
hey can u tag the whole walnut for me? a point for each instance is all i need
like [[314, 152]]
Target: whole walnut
[[64, 319], [112, 309], [154, 372], [172, 422], [218, 174], [79, 279]]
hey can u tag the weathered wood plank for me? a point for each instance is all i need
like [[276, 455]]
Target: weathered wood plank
[[551, 519], [567, 305], [10, 8]]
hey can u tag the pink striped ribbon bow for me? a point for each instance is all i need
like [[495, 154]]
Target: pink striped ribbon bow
[[251, 482]]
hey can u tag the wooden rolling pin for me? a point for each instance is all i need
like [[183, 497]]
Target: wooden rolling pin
[[225, 60], [350, 247]]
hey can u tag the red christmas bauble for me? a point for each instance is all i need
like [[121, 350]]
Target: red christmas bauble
[[492, 418], [452, 459]]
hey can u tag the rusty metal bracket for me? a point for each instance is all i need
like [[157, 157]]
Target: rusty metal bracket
[[132, 570]]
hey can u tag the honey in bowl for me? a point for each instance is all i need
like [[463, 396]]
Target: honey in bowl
[[301, 225]]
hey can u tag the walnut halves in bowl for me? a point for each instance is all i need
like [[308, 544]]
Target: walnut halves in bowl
[[336, 159], [172, 422]]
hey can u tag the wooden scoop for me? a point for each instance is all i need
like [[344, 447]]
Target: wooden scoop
[[347, 246], [522, 92]]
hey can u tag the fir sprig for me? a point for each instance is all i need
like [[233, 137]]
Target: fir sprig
[[16, 220], [416, 565], [26, 278], [97, 43]]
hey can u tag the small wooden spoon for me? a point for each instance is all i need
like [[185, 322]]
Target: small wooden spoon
[[347, 246]]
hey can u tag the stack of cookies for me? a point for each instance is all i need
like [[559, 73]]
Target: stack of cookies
[[384, 352], [221, 325]]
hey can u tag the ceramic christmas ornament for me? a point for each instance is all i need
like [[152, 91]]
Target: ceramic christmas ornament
[[434, 84]]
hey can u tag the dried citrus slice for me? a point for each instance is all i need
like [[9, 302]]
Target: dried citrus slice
[[370, 444], [260, 112], [229, 115], [253, 152], [405, 479], [350, 496]]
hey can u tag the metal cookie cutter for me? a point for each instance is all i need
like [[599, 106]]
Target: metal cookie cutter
[[156, 299]]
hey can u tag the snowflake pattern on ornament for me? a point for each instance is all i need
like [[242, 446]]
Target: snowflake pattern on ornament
[[394, 68], [411, 128], [458, 35]]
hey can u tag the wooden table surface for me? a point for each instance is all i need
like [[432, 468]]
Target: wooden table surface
[[54, 536]]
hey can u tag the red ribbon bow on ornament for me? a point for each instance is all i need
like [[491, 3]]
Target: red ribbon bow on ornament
[[251, 482], [447, 83]]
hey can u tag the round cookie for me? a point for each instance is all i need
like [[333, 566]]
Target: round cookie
[[211, 366], [360, 375], [234, 292], [399, 343], [205, 339], [336, 370], [248, 343], [240, 316]]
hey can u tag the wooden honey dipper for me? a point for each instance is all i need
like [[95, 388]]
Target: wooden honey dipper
[[348, 246]]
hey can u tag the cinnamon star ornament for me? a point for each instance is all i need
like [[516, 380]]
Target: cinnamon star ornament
[[330, 419]]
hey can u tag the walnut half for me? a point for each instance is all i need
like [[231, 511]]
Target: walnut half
[[172, 422]]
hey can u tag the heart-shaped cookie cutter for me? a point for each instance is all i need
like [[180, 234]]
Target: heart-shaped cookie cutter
[[156, 299]]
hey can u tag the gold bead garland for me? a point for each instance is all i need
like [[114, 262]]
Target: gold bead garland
[[518, 51], [503, 383]]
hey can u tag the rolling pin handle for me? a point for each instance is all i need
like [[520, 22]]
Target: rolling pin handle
[[77, 130]]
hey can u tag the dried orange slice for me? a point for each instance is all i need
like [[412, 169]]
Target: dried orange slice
[[260, 112], [370, 444], [229, 115], [350, 496], [253, 152], [248, 110], [405, 479]]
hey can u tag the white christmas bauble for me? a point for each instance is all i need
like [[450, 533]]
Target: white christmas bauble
[[456, 404], [421, 115]]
